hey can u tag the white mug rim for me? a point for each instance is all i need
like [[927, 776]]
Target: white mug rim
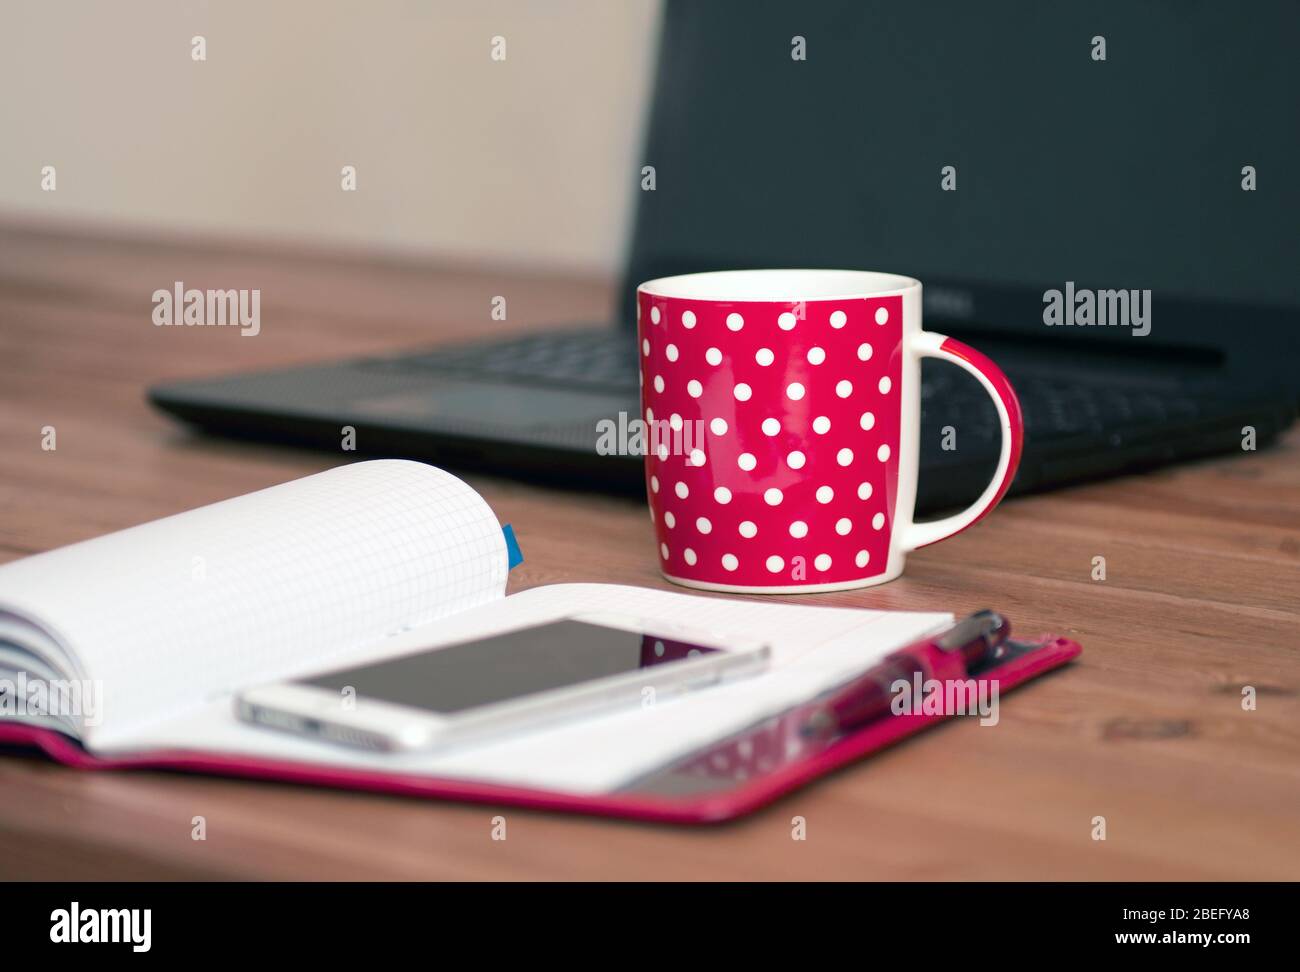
[[779, 286]]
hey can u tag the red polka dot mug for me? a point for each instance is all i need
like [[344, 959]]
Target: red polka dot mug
[[783, 412]]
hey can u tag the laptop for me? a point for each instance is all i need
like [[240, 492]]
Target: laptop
[[992, 153]]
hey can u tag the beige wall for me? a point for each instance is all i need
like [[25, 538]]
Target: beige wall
[[531, 160]]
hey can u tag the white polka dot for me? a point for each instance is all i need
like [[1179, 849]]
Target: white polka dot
[[821, 425], [729, 562], [773, 496], [748, 529], [764, 357], [743, 392], [798, 529], [771, 426], [883, 453], [862, 558], [713, 356], [722, 495], [718, 426], [822, 562], [885, 385], [864, 351], [775, 564], [843, 525], [670, 521], [878, 521], [844, 388], [864, 491], [844, 456], [654, 484], [796, 459], [689, 556], [703, 525], [675, 422], [825, 494], [659, 383], [697, 457], [694, 388], [671, 352], [663, 550], [867, 421], [839, 319], [746, 461], [816, 356], [882, 315], [654, 315], [735, 322], [645, 347], [663, 451], [794, 391], [688, 319], [682, 490], [786, 321]]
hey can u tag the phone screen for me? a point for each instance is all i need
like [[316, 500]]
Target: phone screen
[[508, 666]]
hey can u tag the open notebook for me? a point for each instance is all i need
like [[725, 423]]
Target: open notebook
[[162, 623]]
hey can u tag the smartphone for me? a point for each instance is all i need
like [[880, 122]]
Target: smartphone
[[501, 684]]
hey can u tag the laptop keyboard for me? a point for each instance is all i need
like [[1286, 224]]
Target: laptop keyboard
[[1052, 407], [606, 361], [597, 360]]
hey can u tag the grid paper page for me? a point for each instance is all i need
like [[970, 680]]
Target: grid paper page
[[245, 591], [813, 648]]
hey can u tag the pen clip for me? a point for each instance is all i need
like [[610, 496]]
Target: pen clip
[[976, 635]]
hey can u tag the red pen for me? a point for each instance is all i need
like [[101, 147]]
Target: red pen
[[947, 655]]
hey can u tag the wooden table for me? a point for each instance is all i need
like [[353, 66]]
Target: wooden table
[[1201, 597]]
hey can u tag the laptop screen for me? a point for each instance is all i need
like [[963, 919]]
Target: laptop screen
[[994, 151]]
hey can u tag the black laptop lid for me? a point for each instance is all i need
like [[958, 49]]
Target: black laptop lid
[[1116, 173]]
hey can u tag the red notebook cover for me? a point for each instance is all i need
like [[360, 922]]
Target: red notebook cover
[[730, 778]]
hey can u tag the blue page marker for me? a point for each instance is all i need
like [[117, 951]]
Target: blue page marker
[[514, 554]]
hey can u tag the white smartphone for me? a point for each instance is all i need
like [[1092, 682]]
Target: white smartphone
[[500, 684]]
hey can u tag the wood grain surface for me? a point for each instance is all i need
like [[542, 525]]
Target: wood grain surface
[[1202, 597]]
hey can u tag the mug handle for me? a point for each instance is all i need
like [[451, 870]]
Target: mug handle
[[927, 344]]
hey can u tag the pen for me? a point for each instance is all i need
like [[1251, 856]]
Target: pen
[[951, 653]]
